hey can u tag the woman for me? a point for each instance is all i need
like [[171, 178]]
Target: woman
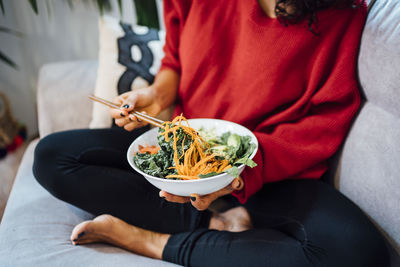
[[285, 70]]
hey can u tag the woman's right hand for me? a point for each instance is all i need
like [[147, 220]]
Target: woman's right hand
[[142, 100]]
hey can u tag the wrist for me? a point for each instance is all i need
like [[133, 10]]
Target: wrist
[[157, 101], [165, 88]]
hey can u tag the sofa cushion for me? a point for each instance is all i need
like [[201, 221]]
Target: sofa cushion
[[379, 58], [369, 168], [63, 90], [368, 171], [36, 227]]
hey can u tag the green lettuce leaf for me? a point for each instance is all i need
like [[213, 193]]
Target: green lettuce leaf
[[208, 174], [234, 172], [246, 161]]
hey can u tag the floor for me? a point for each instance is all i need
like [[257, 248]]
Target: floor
[[8, 170]]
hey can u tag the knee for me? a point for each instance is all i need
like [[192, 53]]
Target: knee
[[44, 153], [360, 244], [45, 168], [369, 250]]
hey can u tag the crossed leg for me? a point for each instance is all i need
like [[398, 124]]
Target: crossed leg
[[109, 229], [296, 223]]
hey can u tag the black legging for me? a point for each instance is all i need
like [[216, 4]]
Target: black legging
[[296, 223]]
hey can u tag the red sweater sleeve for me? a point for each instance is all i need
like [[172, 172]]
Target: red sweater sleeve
[[296, 143], [175, 12], [299, 149]]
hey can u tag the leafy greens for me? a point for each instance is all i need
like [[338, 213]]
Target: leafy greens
[[233, 147]]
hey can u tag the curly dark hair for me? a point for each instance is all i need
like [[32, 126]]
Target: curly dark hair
[[294, 11]]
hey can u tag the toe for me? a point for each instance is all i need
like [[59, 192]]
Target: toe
[[80, 230], [84, 240], [94, 229]]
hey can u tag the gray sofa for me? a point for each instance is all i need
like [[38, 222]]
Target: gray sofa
[[36, 227]]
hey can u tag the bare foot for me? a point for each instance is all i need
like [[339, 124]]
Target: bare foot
[[109, 229], [232, 220]]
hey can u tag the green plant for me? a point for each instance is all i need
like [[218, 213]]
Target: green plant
[[3, 57], [146, 13]]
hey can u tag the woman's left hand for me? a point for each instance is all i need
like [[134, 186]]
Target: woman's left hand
[[203, 202]]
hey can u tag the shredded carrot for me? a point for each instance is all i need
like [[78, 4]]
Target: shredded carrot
[[150, 149], [197, 159]]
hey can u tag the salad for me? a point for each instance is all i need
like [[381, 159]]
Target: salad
[[184, 153]]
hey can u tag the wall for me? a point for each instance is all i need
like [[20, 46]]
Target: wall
[[58, 33]]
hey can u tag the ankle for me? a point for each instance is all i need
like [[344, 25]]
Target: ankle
[[155, 244]]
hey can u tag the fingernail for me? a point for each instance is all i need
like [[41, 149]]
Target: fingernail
[[126, 106], [122, 114], [193, 199]]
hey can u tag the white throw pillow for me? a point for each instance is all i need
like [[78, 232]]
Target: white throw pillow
[[129, 57]]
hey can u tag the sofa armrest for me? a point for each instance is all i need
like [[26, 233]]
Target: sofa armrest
[[62, 95]]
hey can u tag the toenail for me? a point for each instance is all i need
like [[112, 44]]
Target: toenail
[[80, 235]]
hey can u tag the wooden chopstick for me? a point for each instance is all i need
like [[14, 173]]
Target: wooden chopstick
[[139, 115]]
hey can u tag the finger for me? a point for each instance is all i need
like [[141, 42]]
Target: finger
[[130, 103], [134, 119], [118, 113], [120, 99], [173, 198], [127, 103], [202, 202], [121, 122], [237, 184], [138, 119], [130, 126], [127, 107], [134, 123]]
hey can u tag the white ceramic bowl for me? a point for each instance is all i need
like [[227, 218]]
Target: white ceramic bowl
[[186, 187]]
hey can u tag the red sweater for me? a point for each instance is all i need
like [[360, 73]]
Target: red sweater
[[296, 91]]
